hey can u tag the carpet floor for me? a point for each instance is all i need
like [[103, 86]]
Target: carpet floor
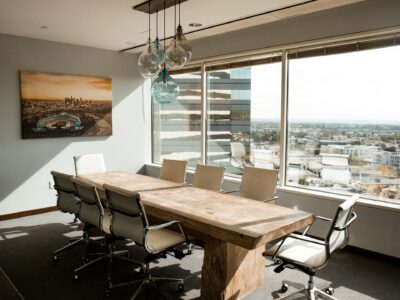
[[27, 244]]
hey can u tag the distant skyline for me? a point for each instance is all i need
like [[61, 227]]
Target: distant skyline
[[356, 87], [48, 86]]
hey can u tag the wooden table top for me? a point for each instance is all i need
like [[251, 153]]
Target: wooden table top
[[240, 221], [128, 181]]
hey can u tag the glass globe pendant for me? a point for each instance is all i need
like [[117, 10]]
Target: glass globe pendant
[[164, 89], [175, 55], [183, 42], [149, 64]]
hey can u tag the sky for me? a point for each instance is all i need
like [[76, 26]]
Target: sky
[[356, 87], [46, 86]]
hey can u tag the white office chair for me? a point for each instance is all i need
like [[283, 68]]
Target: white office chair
[[128, 220], [208, 177], [89, 164], [173, 170], [309, 254], [238, 154], [66, 202]]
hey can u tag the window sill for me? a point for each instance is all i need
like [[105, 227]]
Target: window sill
[[340, 198]]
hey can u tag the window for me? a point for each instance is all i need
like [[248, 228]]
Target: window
[[342, 117], [177, 126], [343, 123], [243, 108]]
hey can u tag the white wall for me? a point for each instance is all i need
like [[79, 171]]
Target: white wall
[[359, 17], [376, 229], [25, 164]]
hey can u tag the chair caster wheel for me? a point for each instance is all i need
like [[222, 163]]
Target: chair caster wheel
[[181, 287], [55, 258], [141, 271], [330, 291], [284, 287], [76, 277]]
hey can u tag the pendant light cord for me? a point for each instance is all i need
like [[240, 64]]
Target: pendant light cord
[[175, 18], [179, 12], [149, 22], [157, 24]]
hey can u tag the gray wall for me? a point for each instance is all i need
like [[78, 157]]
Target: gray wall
[[376, 228], [25, 164]]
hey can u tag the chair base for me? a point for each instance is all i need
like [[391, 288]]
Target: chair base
[[311, 291], [149, 280], [72, 243]]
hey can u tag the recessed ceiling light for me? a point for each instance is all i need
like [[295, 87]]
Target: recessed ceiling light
[[195, 25], [44, 27]]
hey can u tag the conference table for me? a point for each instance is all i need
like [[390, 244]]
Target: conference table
[[234, 229]]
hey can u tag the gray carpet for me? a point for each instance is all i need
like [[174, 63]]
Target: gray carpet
[[26, 247]]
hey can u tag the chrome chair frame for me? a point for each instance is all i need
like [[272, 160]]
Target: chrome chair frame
[[147, 278], [311, 291]]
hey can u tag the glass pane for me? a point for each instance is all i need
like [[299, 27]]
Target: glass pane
[[177, 126], [344, 125], [243, 117]]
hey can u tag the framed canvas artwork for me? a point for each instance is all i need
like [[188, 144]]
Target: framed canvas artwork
[[56, 105]]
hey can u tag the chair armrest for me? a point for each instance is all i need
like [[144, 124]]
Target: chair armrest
[[316, 218], [161, 226], [323, 219], [229, 192], [271, 199], [353, 217], [308, 239]]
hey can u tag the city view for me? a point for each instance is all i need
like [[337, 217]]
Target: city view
[[334, 157]]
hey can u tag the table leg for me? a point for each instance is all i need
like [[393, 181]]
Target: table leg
[[230, 272]]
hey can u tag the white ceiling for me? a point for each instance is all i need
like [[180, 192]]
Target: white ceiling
[[113, 25]]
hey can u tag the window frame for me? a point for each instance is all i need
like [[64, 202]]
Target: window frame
[[377, 39]]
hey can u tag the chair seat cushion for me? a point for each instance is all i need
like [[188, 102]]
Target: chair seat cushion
[[300, 252], [162, 239]]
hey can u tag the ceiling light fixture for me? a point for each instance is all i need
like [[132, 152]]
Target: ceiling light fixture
[[157, 59], [149, 63], [164, 89], [175, 55], [181, 39]]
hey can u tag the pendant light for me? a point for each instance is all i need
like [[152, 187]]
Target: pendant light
[[157, 46], [181, 39], [164, 89], [149, 63], [175, 55]]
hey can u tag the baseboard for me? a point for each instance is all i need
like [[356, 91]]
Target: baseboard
[[372, 254], [28, 213]]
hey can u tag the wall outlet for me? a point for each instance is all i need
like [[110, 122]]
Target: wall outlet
[[51, 185]]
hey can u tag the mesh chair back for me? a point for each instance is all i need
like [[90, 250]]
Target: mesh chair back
[[66, 200], [91, 211], [339, 238], [258, 184], [89, 164], [208, 177], [173, 170], [128, 219]]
